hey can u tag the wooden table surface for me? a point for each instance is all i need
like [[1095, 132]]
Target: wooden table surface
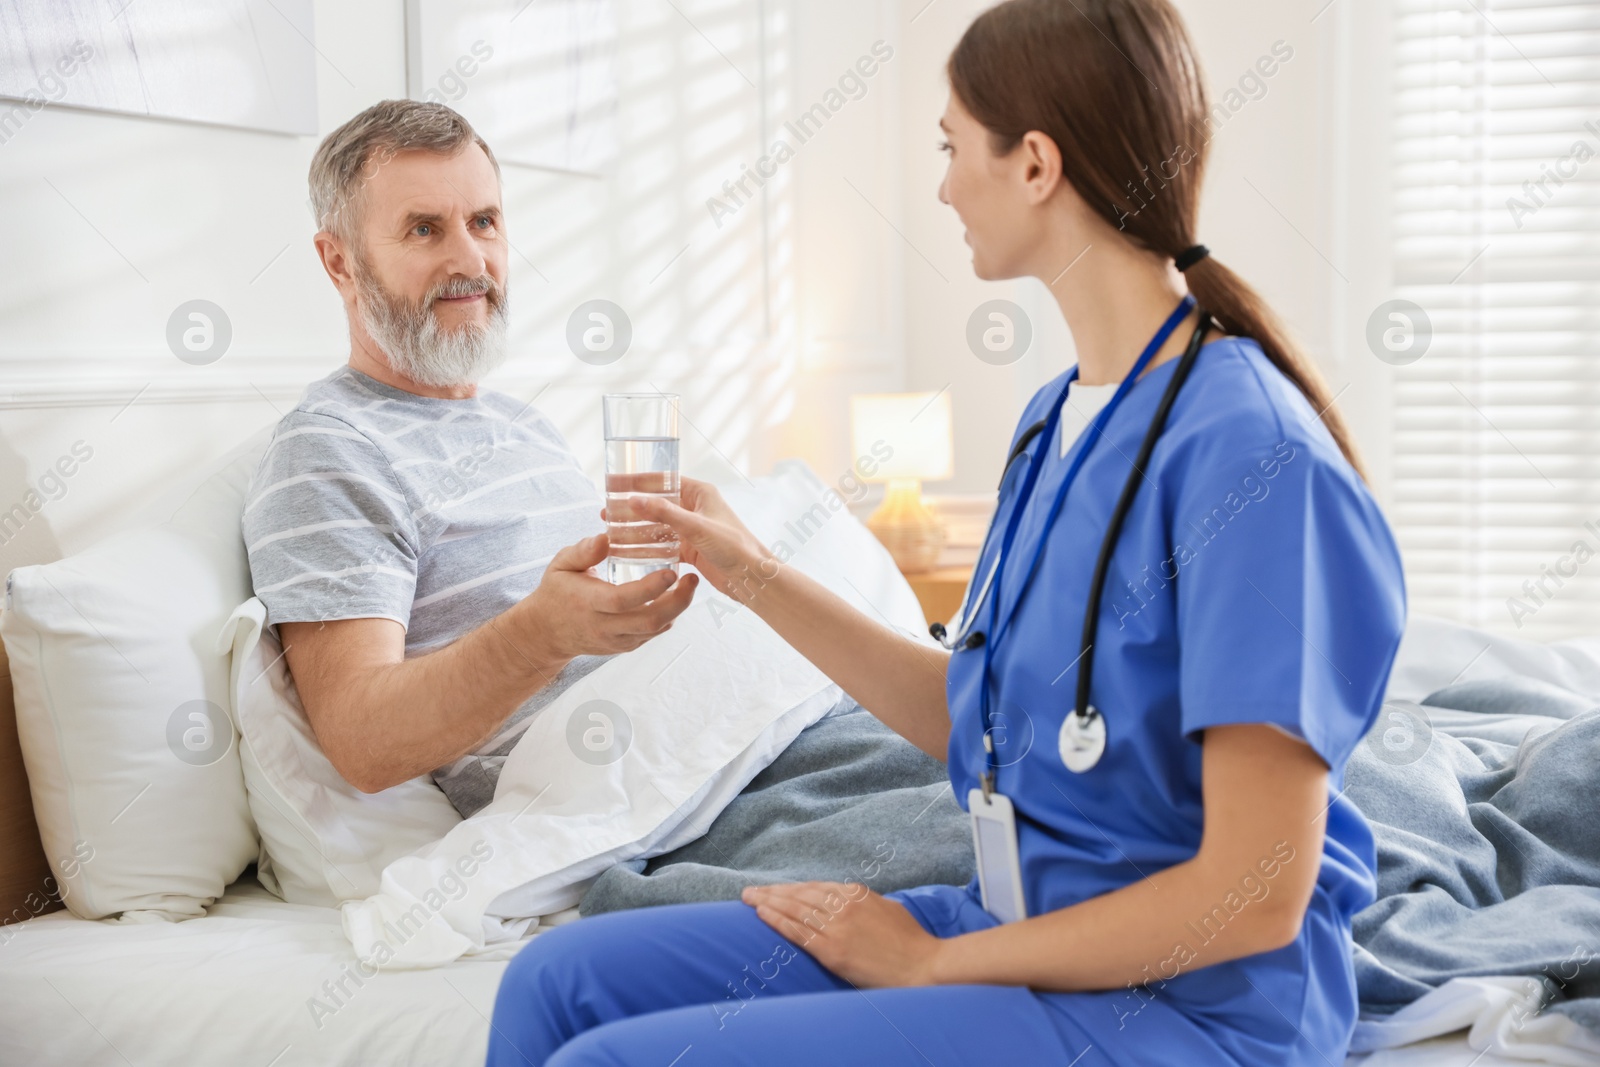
[[940, 591]]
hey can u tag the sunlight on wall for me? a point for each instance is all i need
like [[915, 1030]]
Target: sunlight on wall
[[708, 320], [116, 221]]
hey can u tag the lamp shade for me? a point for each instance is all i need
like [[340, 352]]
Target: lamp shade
[[913, 429]]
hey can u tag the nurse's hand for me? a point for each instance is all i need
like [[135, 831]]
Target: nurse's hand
[[860, 936], [712, 539]]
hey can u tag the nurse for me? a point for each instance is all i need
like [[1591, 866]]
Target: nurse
[[1181, 625]]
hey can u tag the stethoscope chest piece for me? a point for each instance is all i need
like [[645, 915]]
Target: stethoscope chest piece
[[1083, 740]]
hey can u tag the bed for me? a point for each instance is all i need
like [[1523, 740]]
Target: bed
[[259, 980]]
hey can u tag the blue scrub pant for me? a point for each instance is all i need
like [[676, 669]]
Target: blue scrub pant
[[693, 984]]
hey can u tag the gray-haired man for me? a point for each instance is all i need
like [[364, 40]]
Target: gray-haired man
[[423, 546]]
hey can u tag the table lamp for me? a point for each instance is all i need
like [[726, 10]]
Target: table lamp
[[915, 427]]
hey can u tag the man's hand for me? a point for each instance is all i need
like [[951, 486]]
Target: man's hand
[[573, 613], [383, 718]]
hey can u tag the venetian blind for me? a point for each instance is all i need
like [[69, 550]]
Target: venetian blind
[[1497, 240]]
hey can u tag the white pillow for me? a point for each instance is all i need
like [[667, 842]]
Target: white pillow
[[808, 523], [1436, 653], [121, 708], [324, 841]]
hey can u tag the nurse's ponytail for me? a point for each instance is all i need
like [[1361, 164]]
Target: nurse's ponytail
[[1117, 85], [1240, 310]]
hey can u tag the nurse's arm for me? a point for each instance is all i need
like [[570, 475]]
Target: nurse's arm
[[899, 680], [1244, 892]]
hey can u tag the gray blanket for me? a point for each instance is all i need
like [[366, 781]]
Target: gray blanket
[[1486, 812], [1484, 806], [848, 800]]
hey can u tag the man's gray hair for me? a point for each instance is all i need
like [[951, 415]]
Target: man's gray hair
[[350, 156]]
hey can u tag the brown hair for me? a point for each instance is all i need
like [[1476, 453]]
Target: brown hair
[[1117, 85]]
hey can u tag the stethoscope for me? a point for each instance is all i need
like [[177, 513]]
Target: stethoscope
[[1084, 735]]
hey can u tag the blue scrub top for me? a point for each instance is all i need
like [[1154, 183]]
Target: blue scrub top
[[1255, 581]]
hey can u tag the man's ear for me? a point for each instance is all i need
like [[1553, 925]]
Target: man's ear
[[336, 260]]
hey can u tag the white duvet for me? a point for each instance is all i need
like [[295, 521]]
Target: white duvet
[[633, 760], [638, 757]]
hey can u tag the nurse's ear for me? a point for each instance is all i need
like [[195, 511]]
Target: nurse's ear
[[1036, 161]]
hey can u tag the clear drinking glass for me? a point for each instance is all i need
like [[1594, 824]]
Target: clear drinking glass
[[641, 460]]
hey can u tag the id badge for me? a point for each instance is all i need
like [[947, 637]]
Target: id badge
[[994, 839]]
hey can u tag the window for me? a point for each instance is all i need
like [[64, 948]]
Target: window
[[1497, 241]]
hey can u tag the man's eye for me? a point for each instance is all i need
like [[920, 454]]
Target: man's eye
[[422, 229], [485, 222]]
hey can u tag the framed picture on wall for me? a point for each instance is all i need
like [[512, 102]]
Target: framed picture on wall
[[536, 77], [246, 63]]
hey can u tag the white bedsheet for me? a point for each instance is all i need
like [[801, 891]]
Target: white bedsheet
[[1436, 653], [242, 987], [239, 987], [1504, 1021]]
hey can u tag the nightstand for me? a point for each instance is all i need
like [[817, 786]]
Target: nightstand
[[940, 591]]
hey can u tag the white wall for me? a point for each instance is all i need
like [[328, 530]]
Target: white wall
[[765, 323], [114, 221], [942, 291], [848, 299], [847, 275], [1298, 196]]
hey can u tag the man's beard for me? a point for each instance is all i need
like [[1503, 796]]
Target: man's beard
[[418, 346]]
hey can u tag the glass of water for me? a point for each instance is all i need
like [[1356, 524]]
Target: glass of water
[[641, 461]]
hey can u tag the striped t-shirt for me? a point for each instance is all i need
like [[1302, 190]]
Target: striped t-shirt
[[372, 502]]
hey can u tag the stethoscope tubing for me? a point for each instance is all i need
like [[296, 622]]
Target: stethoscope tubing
[[965, 615], [1119, 517], [966, 618]]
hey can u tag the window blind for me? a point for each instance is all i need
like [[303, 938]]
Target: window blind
[[1497, 240]]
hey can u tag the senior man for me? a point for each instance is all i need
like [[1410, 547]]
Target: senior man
[[423, 545]]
